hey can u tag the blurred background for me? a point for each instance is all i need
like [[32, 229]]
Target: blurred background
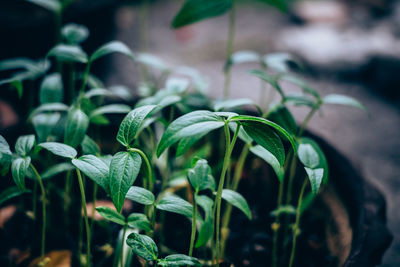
[[346, 47]]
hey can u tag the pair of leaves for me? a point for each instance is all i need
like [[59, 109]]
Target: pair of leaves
[[134, 220], [20, 165], [200, 176]]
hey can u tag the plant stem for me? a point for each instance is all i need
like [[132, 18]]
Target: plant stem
[[307, 119], [34, 199], [95, 187], [193, 235], [148, 165], [228, 151], [84, 207], [39, 179], [297, 223], [229, 49], [85, 78], [122, 245]]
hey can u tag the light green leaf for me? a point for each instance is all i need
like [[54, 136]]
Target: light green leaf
[[113, 108], [178, 260], [315, 176], [89, 146], [205, 233], [139, 221], [176, 85], [68, 53], [51, 5], [11, 192], [74, 33], [143, 246], [57, 169], [124, 169], [308, 156], [50, 107], [24, 144], [131, 124], [140, 195], [269, 79], [151, 61], [236, 200], [4, 146], [111, 215], [176, 204], [196, 10], [323, 163], [59, 149], [233, 103], [343, 100], [200, 176], [51, 89], [95, 169], [244, 56], [44, 124], [77, 124], [192, 124], [98, 92], [19, 168], [270, 159], [111, 47], [206, 204], [300, 99]]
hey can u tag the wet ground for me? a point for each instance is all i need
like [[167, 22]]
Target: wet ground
[[329, 47]]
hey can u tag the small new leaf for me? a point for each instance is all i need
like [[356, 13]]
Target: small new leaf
[[51, 89], [19, 168], [143, 246], [68, 53], [200, 176], [74, 33], [24, 144], [343, 100], [111, 47], [77, 124], [308, 156], [315, 176], [111, 215], [236, 200]]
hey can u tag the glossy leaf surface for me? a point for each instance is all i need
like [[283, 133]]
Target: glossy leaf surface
[[24, 144], [111, 215], [237, 200], [59, 149], [95, 169], [143, 246], [140, 195]]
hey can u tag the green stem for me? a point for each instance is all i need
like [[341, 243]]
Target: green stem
[[228, 151], [229, 49], [85, 78], [148, 165], [307, 119], [43, 191], [193, 235], [84, 207], [34, 199], [95, 187], [122, 245], [297, 223]]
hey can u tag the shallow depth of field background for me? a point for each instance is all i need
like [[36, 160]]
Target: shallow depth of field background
[[347, 47]]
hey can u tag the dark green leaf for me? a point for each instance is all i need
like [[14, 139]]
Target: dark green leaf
[[282, 116], [89, 146], [186, 143], [139, 221], [24, 144], [5, 163], [200, 176], [242, 133], [57, 169], [270, 159], [74, 33], [196, 10], [51, 5], [11, 192], [308, 156], [59, 149], [236, 200], [192, 124], [19, 168], [178, 260], [77, 124], [111, 215], [140, 195], [95, 169], [176, 204], [131, 124], [343, 100], [51, 89], [269, 79], [124, 169], [68, 53], [205, 233], [315, 176], [143, 246], [111, 47], [108, 109]]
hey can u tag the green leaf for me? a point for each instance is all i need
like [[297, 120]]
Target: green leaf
[[24, 144], [143, 246], [244, 56], [51, 5], [206, 204], [265, 136], [11, 192], [256, 120], [47, 108], [315, 176], [178, 260], [233, 103], [284, 209], [19, 168], [113, 108], [95, 169], [124, 169], [5, 163], [282, 116], [302, 84], [111, 47], [57, 169], [140, 195], [279, 62], [139, 221], [74, 33], [89, 146], [68, 53], [236, 200], [196, 10], [176, 204], [300, 100], [111, 215], [44, 124], [323, 163], [131, 124], [4, 146], [270, 159], [308, 156], [59, 149], [98, 92], [269, 79], [176, 85], [343, 100], [192, 124], [77, 124], [200, 176], [151, 61], [205, 233], [51, 89], [186, 143]]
